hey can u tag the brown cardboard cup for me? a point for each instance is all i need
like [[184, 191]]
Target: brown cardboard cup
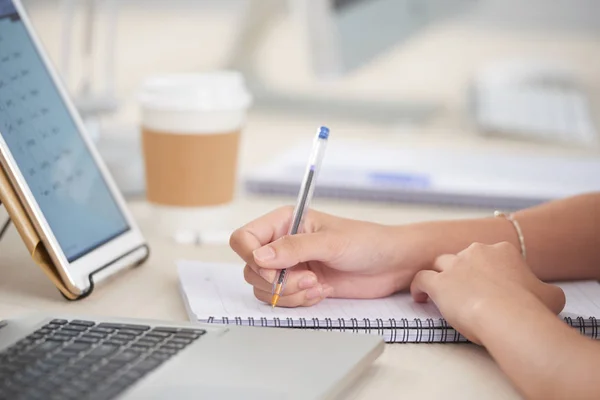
[[191, 127]]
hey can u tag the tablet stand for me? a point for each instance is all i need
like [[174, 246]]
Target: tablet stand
[[35, 246], [4, 226], [45, 266]]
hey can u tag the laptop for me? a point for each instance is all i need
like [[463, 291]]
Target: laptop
[[62, 357], [84, 224]]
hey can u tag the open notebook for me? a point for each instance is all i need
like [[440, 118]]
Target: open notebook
[[364, 170], [217, 293]]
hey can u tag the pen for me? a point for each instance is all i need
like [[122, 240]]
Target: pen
[[304, 197]]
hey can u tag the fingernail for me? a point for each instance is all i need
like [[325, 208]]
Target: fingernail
[[307, 282], [267, 275], [314, 293], [264, 253]]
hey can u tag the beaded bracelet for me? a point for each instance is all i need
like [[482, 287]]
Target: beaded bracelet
[[517, 228]]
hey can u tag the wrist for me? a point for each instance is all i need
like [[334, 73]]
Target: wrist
[[492, 318], [432, 239]]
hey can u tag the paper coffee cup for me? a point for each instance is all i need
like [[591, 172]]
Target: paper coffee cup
[[191, 126]]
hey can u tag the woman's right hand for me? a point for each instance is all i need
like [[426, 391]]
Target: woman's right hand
[[330, 257]]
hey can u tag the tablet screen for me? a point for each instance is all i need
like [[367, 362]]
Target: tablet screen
[[52, 156]]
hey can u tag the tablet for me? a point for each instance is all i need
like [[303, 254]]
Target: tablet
[[55, 169]]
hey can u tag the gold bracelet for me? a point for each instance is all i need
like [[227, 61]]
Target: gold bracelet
[[517, 228]]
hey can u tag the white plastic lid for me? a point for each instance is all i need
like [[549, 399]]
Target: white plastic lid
[[211, 91]]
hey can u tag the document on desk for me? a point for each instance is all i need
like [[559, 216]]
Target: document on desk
[[217, 293], [363, 170]]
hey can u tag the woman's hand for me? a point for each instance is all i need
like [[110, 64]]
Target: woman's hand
[[470, 285], [331, 257]]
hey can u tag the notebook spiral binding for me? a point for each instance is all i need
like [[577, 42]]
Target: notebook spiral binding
[[393, 330], [587, 326]]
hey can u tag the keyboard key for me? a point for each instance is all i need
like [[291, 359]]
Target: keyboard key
[[130, 332], [124, 338], [47, 346], [117, 343], [55, 362], [63, 358], [167, 350], [80, 385], [196, 331], [146, 365], [44, 331], [85, 362], [35, 336], [103, 350], [172, 345], [158, 334], [87, 340], [77, 328], [116, 365], [109, 325], [150, 339], [82, 323], [140, 348], [133, 375], [147, 342], [52, 326], [32, 373], [126, 356], [96, 335], [75, 348], [161, 356], [183, 341], [59, 321], [136, 327], [67, 332], [101, 330], [186, 335], [165, 329], [44, 367]]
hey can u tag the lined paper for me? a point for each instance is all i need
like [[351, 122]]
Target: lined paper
[[219, 290]]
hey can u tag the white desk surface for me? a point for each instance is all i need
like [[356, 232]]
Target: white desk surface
[[425, 371]]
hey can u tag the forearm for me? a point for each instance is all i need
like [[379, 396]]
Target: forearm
[[542, 356], [562, 237]]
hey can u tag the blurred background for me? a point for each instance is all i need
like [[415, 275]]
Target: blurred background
[[449, 71]]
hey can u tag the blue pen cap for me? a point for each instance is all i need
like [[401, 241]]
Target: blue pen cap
[[323, 132]]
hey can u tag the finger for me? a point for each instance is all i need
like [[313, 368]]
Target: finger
[[422, 285], [296, 280], [304, 298], [444, 262], [290, 250], [259, 232]]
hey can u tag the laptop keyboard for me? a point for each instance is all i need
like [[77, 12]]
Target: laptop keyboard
[[86, 360]]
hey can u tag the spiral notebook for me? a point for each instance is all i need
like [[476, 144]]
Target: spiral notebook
[[364, 170], [217, 293]]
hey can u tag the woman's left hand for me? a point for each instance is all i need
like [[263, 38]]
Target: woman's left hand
[[477, 281]]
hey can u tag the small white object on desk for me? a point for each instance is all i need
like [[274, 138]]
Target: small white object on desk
[[201, 238]]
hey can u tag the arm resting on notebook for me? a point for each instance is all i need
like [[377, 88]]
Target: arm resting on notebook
[[562, 237], [544, 357], [493, 298]]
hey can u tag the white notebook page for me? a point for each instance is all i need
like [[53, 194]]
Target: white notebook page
[[218, 290]]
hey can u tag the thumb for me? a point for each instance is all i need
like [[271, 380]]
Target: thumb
[[290, 250]]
